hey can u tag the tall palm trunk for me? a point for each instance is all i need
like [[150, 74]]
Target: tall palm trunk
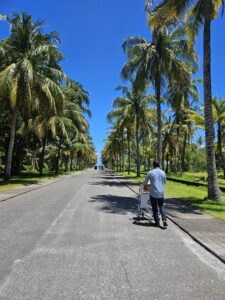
[[42, 156], [71, 163], [33, 160], [219, 145], [128, 145], [167, 162], [213, 188], [159, 119], [145, 153], [163, 158], [58, 156], [123, 153], [178, 166], [117, 163], [137, 145], [183, 167], [8, 168]]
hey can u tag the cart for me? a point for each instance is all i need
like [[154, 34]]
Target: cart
[[143, 206]]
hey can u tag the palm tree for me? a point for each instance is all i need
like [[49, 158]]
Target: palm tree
[[164, 58], [28, 81], [181, 96], [219, 118], [199, 12], [125, 125], [168, 141], [134, 104]]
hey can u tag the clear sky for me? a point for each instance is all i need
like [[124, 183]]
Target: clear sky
[[92, 32]]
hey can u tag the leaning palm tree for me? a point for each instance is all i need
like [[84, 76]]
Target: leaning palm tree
[[162, 59], [28, 81], [198, 13]]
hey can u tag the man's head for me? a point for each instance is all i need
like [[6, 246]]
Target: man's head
[[155, 164]]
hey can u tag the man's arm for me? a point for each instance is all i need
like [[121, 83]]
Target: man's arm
[[147, 178]]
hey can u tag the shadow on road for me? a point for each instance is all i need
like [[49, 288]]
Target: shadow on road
[[116, 204], [113, 183]]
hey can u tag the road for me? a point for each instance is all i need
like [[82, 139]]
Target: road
[[75, 239]]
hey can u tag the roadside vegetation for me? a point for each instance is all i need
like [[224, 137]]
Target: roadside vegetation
[[44, 127], [31, 177], [158, 114]]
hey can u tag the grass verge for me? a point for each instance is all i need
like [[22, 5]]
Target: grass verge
[[190, 195], [200, 177], [28, 178]]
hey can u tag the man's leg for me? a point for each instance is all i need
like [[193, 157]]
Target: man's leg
[[154, 203], [162, 210]]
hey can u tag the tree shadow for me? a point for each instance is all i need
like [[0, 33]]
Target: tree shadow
[[107, 183], [190, 205], [116, 204], [180, 206], [110, 180]]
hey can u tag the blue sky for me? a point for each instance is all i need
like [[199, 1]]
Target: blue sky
[[92, 32]]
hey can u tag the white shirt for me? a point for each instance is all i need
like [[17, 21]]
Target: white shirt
[[157, 178]]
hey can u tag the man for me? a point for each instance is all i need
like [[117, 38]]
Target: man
[[157, 178]]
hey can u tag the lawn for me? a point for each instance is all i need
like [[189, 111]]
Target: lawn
[[191, 195], [27, 178], [200, 177]]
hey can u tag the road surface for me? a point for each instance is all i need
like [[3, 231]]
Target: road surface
[[75, 239]]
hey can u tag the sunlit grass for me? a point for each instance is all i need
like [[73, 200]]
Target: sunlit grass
[[200, 177], [191, 195]]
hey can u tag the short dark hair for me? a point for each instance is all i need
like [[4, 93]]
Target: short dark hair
[[155, 164]]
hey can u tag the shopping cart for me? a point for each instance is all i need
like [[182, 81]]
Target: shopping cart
[[144, 208]]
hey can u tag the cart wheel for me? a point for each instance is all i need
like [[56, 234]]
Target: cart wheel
[[138, 217]]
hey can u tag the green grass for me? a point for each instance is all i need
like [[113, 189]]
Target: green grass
[[200, 177], [197, 197], [190, 195], [28, 178]]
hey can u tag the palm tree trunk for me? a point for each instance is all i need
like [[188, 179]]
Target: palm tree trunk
[[42, 156], [167, 162], [33, 160], [58, 156], [163, 158], [144, 153], [219, 145], [7, 175], [71, 163], [213, 188], [128, 144], [159, 119], [137, 145], [123, 153], [184, 153]]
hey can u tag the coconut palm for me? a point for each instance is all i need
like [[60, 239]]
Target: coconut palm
[[134, 104], [162, 59], [125, 124], [28, 81], [199, 13], [182, 96]]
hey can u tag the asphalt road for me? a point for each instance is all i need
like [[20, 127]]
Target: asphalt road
[[75, 239]]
